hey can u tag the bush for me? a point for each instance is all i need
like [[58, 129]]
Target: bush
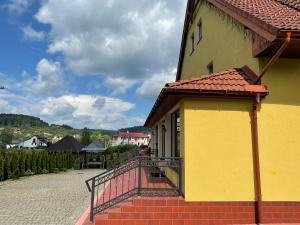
[[15, 162], [16, 173], [1, 168], [28, 173], [44, 171]]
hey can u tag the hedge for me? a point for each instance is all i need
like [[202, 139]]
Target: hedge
[[16, 163]]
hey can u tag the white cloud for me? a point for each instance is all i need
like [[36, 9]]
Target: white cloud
[[86, 110], [118, 85], [48, 81], [129, 40], [152, 86], [17, 7], [30, 34]]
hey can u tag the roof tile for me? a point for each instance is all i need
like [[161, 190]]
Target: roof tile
[[233, 80], [280, 14]]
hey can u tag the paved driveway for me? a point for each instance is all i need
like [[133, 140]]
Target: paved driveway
[[51, 199]]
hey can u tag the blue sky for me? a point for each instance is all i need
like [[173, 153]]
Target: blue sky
[[96, 63]]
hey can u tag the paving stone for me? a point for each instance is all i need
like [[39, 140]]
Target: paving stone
[[51, 199]]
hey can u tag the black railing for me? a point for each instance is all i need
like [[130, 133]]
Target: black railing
[[141, 176]]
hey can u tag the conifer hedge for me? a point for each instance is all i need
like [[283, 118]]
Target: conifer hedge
[[16, 163]]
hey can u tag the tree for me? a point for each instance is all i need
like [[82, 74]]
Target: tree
[[85, 137], [6, 137]]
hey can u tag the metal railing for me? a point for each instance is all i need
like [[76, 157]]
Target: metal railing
[[141, 176]]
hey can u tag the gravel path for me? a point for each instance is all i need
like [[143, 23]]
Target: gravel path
[[51, 199]]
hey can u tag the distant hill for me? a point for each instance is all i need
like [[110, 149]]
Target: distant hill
[[136, 129], [21, 121]]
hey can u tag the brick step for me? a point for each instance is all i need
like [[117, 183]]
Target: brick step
[[169, 222], [180, 215], [215, 209], [158, 201]]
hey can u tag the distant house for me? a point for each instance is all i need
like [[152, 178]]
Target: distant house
[[16, 131], [134, 138], [33, 142], [66, 144], [13, 144]]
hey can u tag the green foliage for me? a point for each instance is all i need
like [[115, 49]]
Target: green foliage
[[6, 137], [15, 163], [120, 153], [85, 137], [136, 129], [21, 120], [1, 168]]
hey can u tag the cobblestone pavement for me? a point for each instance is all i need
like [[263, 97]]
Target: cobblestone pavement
[[51, 199]]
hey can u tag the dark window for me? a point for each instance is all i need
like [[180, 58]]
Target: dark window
[[156, 141], [199, 27], [163, 141], [210, 67], [175, 134], [192, 43]]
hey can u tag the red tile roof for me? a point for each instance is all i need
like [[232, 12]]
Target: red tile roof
[[130, 134], [292, 3], [229, 83], [233, 80], [279, 14]]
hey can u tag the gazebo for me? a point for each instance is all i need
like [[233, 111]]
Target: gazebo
[[96, 154]]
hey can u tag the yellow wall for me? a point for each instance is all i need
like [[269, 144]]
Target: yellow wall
[[217, 150], [222, 42], [204, 133], [279, 133]]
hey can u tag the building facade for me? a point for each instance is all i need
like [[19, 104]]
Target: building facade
[[233, 112], [134, 138]]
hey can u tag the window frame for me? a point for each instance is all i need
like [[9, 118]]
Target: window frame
[[192, 43], [199, 31], [210, 67]]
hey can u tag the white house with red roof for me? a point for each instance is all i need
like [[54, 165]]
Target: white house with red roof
[[135, 138]]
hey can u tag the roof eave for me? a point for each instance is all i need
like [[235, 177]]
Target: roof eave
[[200, 94]]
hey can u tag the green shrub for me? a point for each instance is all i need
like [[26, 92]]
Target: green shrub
[[44, 171], [28, 173], [16, 173], [33, 162], [7, 167], [1, 168], [22, 163]]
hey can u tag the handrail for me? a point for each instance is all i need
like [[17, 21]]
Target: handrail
[[106, 173], [142, 175]]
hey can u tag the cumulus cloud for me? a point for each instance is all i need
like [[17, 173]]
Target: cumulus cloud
[[129, 40], [119, 85], [86, 110], [151, 87], [48, 81], [30, 34], [17, 7]]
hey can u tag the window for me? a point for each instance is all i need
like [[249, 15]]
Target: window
[[192, 43], [210, 67], [156, 141], [175, 134], [163, 141], [199, 27]]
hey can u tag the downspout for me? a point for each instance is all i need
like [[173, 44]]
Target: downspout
[[275, 57], [258, 204]]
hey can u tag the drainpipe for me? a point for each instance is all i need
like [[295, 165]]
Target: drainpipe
[[258, 206], [275, 57]]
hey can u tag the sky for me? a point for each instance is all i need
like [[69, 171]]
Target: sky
[[87, 63]]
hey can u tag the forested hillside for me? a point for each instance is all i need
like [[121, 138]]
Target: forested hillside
[[21, 121], [136, 129]]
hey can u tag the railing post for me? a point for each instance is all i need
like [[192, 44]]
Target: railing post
[[92, 201], [180, 177], [139, 176]]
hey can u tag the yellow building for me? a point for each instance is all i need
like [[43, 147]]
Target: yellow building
[[233, 114]]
